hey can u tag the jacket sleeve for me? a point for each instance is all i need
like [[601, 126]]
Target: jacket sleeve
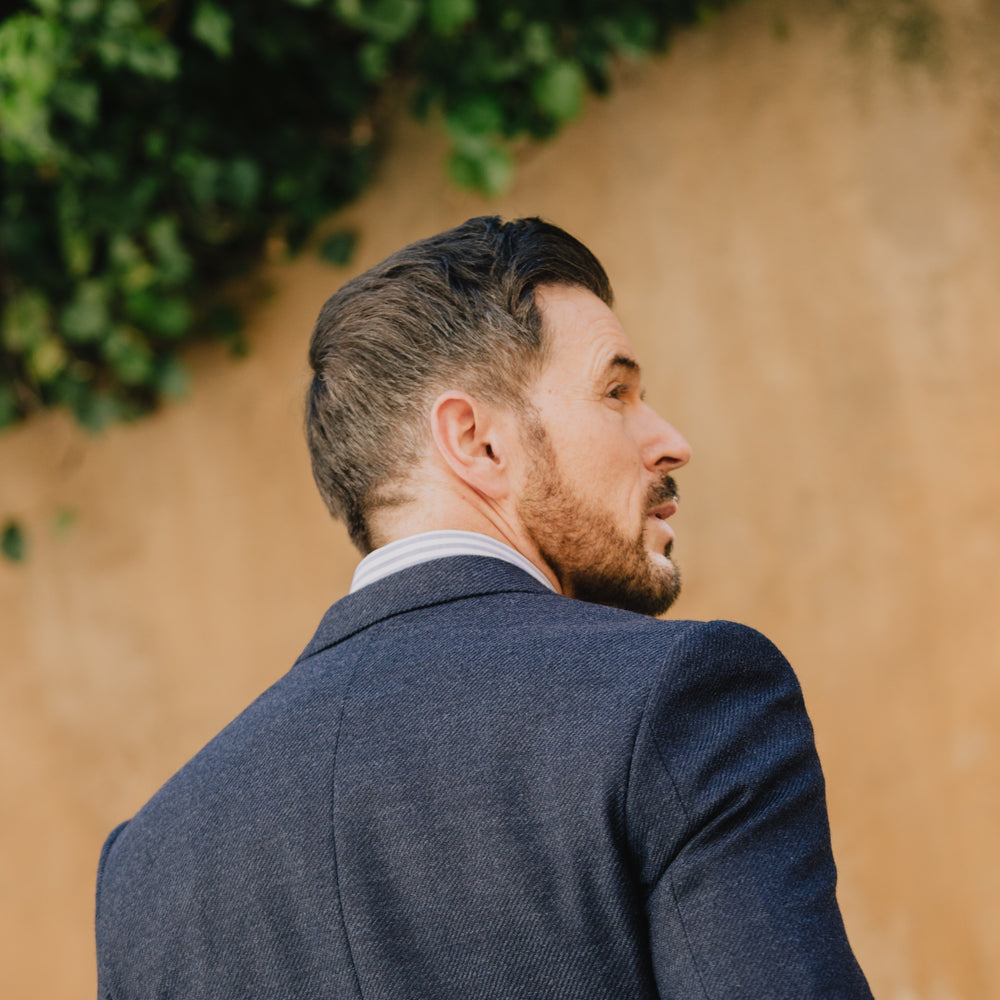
[[729, 833]]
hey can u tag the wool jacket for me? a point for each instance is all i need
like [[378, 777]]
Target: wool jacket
[[471, 787]]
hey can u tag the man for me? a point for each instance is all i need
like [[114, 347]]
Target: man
[[488, 776]]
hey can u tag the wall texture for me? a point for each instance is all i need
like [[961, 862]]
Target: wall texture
[[804, 234]]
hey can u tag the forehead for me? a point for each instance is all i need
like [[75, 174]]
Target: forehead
[[583, 335]]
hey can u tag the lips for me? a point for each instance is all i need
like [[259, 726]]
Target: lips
[[664, 510], [658, 515], [663, 499]]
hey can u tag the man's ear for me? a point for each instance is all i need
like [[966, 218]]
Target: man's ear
[[469, 439]]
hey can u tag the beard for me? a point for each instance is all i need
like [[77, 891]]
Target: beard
[[593, 559]]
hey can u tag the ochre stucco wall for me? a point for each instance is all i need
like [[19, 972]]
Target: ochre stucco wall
[[804, 235]]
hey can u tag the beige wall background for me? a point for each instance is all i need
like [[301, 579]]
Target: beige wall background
[[804, 235]]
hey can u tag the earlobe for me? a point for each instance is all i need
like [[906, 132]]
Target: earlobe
[[466, 438]]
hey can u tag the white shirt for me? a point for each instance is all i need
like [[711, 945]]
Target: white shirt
[[428, 545]]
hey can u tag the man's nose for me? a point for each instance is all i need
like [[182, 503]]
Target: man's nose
[[665, 448]]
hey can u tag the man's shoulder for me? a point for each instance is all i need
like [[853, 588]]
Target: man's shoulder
[[485, 599], [534, 611], [533, 631]]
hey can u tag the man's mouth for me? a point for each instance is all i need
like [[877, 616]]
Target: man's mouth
[[663, 500], [664, 510], [660, 536]]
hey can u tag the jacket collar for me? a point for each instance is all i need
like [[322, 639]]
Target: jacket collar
[[437, 582]]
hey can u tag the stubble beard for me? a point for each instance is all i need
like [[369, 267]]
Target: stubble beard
[[593, 559]]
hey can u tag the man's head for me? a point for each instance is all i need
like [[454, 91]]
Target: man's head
[[479, 380], [455, 310]]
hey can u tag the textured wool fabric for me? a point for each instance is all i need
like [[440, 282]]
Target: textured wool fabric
[[471, 787]]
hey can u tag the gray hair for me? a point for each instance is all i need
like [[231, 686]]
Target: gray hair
[[457, 311]]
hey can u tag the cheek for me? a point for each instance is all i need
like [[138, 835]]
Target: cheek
[[623, 484], [597, 451]]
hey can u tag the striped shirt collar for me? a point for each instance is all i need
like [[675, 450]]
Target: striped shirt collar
[[406, 552]]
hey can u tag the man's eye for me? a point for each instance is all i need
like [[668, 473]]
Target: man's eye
[[618, 392]]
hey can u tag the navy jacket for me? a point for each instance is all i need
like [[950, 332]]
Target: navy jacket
[[470, 787]]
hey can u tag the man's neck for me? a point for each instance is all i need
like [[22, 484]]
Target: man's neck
[[454, 514], [426, 546]]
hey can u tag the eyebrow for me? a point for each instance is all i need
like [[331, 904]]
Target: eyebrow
[[623, 361]]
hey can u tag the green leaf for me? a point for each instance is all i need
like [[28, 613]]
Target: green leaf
[[338, 247], [78, 98], [474, 119], [129, 355], [385, 20], [133, 270], [78, 251], [173, 260], [9, 409], [373, 59], [149, 54], [76, 243], [477, 160], [24, 130], [27, 321], [511, 18], [632, 34], [155, 144], [538, 43], [167, 315], [213, 26], [559, 89], [13, 542], [240, 182], [47, 360], [490, 170], [448, 16], [63, 520], [95, 410], [171, 377], [463, 170], [80, 10], [86, 317], [497, 171], [111, 50], [31, 52], [202, 175], [122, 13]]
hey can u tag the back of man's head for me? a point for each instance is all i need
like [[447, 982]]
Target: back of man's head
[[454, 311]]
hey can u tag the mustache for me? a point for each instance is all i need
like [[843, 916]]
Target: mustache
[[662, 492]]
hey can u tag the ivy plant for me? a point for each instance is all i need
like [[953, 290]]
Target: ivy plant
[[152, 149]]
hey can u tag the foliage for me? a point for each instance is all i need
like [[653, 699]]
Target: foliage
[[12, 541], [152, 148]]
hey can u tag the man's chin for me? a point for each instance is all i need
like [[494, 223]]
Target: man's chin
[[652, 601], [664, 587], [661, 560], [650, 593], [662, 564]]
